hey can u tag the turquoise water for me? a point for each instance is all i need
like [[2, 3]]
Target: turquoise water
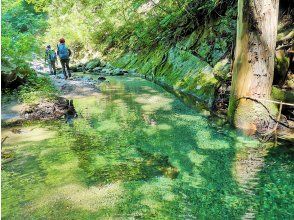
[[136, 151]]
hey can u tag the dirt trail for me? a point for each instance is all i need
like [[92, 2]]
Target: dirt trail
[[76, 86]]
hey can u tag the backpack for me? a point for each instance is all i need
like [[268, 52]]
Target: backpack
[[52, 55], [63, 52]]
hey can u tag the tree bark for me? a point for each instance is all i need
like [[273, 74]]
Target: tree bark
[[253, 67]]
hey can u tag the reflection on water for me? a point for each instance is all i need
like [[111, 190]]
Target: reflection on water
[[136, 151], [71, 112]]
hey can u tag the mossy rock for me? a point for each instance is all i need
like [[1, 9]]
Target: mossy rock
[[282, 62], [177, 68], [191, 74], [93, 63], [282, 95], [222, 70], [285, 35]]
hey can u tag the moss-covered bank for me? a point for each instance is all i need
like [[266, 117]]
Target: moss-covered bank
[[197, 63], [177, 68]]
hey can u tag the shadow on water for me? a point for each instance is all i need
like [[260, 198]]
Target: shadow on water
[[180, 143], [113, 166], [274, 191], [167, 160], [71, 112]]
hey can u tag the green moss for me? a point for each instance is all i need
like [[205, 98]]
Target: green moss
[[136, 151], [177, 68], [282, 63], [93, 63], [222, 69], [282, 95], [37, 89]]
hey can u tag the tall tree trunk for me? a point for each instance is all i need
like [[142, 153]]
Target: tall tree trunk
[[253, 68]]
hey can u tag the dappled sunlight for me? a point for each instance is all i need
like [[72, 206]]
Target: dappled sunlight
[[214, 143], [133, 151], [91, 199], [149, 89], [19, 135], [156, 192], [151, 103], [129, 109], [108, 126], [163, 126]]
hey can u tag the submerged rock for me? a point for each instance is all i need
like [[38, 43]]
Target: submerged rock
[[101, 78]]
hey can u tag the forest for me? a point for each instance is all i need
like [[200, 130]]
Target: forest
[[150, 109]]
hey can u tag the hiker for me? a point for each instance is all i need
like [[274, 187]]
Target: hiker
[[51, 58], [64, 53]]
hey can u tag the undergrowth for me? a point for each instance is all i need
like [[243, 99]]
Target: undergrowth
[[37, 89]]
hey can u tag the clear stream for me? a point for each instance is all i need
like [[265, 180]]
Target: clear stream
[[136, 151]]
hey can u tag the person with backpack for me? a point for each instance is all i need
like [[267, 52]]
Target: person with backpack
[[51, 58], [64, 53]]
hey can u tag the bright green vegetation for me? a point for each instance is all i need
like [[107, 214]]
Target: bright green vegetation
[[21, 30], [285, 96], [176, 68], [176, 42], [135, 151], [275, 195], [113, 27], [36, 90]]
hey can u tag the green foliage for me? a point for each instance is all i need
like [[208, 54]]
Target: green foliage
[[37, 89], [113, 27], [40, 5], [20, 28]]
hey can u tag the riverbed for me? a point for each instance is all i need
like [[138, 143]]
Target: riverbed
[[133, 150]]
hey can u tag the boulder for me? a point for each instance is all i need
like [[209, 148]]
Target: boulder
[[60, 76], [102, 63], [45, 110], [221, 70], [92, 64], [118, 72], [97, 69], [106, 71], [80, 69], [74, 68], [101, 78]]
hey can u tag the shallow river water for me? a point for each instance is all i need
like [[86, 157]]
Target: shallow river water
[[136, 151]]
